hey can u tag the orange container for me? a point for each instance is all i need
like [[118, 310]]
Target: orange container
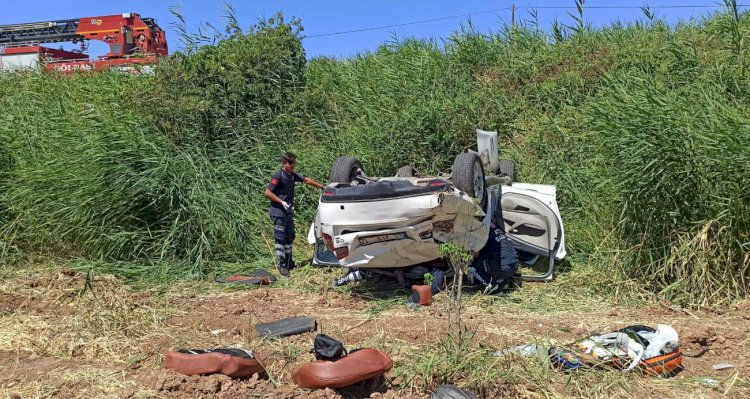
[[421, 294], [666, 365]]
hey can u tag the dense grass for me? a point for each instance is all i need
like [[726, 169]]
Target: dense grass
[[642, 127], [681, 162]]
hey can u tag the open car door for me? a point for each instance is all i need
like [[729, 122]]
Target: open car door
[[532, 222]]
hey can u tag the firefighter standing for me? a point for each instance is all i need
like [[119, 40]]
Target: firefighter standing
[[280, 192]]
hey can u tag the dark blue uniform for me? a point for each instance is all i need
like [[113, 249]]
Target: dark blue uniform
[[282, 184]]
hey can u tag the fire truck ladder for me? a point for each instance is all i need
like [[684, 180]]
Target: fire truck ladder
[[29, 34]]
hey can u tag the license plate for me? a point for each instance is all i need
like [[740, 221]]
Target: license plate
[[382, 238]]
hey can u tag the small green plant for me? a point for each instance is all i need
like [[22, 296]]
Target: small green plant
[[428, 278], [456, 255], [458, 258]]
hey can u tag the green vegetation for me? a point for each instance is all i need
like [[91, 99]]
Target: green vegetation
[[642, 127]]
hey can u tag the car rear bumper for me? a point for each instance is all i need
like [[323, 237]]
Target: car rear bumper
[[416, 246], [424, 222]]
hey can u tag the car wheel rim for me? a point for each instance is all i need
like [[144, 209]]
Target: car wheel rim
[[354, 174], [478, 181]]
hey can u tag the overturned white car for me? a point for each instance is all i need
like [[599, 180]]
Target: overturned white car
[[395, 222]]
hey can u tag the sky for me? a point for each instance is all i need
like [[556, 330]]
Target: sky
[[423, 19]]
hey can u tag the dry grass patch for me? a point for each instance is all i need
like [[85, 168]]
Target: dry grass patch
[[68, 314]]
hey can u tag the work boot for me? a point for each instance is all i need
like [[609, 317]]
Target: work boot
[[288, 262], [282, 266], [288, 257], [283, 271]]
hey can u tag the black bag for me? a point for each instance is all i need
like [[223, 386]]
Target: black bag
[[327, 348]]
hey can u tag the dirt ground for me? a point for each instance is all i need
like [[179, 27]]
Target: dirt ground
[[61, 336]]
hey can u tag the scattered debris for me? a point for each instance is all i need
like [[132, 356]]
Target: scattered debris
[[354, 275], [233, 362], [653, 351], [524, 350], [335, 367], [327, 348], [710, 382], [256, 277], [357, 366], [421, 294], [286, 327], [190, 314], [217, 332], [451, 392], [723, 366]]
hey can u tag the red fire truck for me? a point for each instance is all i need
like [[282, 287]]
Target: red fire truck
[[132, 41]]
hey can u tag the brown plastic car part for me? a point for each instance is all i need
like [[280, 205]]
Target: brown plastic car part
[[421, 294], [358, 366], [213, 363]]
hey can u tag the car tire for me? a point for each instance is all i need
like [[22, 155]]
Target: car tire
[[406, 171], [468, 176], [345, 169], [507, 168]]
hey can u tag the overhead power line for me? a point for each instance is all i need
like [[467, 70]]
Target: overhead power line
[[626, 7], [424, 21]]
